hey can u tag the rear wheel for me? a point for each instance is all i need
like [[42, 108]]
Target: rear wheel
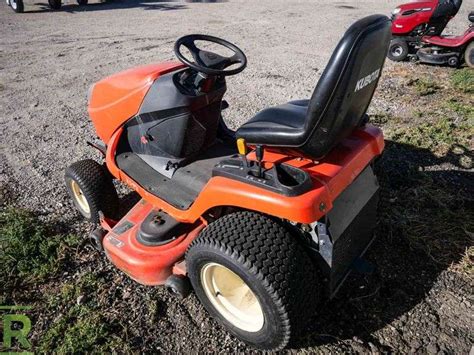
[[253, 276], [469, 55], [92, 190], [17, 5], [398, 50], [54, 4]]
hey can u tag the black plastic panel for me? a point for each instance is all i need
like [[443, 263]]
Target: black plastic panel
[[187, 182], [281, 178]]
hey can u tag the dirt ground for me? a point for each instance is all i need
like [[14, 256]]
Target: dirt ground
[[419, 299]]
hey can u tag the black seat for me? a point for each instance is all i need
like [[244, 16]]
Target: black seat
[[339, 102]]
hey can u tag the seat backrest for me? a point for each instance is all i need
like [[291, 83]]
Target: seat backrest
[[444, 11], [346, 87]]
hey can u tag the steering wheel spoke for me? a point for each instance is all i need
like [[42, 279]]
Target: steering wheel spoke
[[209, 62]]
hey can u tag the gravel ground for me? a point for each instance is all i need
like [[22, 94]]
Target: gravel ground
[[49, 59]]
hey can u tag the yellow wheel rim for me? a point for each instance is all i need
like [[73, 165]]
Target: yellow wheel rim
[[232, 297], [79, 197]]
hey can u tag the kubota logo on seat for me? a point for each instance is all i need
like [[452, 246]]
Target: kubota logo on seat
[[362, 83]]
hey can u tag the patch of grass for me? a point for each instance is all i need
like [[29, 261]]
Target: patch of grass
[[465, 110], [82, 326], [434, 219], [69, 293], [379, 118], [438, 136], [424, 86], [82, 330], [29, 250], [463, 80], [430, 209]]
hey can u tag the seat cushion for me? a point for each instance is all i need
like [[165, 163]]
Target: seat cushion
[[281, 125]]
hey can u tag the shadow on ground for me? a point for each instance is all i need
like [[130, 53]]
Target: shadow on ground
[[424, 217]]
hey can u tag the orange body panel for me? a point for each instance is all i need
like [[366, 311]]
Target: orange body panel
[[146, 265], [118, 97], [330, 177]]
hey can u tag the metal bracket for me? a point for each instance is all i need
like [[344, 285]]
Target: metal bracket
[[319, 234]]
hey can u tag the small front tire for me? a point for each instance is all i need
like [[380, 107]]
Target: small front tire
[[92, 190], [17, 5], [255, 277], [398, 50], [54, 4], [453, 62]]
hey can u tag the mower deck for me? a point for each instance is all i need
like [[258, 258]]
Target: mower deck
[[187, 181]]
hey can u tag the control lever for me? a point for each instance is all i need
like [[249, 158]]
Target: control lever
[[259, 156]]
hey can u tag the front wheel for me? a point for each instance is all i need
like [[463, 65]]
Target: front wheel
[[54, 4], [17, 5], [398, 50], [469, 55], [92, 190], [255, 277], [453, 62]]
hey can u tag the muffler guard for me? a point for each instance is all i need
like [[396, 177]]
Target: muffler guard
[[346, 232]]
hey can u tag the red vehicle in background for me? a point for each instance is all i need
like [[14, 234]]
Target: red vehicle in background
[[19, 7], [416, 34]]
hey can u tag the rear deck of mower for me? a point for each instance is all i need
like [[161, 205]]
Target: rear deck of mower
[[262, 222]]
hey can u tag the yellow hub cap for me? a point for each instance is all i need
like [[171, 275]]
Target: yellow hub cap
[[232, 297], [80, 198]]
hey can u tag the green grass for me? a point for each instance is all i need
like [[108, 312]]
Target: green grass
[[29, 250], [438, 136], [433, 214], [424, 86], [463, 80], [82, 330], [465, 110], [83, 326]]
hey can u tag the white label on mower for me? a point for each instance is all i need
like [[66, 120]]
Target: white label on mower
[[362, 83], [115, 242]]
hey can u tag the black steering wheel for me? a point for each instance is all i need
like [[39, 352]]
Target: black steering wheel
[[208, 62]]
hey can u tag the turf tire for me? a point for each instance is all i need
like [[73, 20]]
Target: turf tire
[[97, 188], [271, 261]]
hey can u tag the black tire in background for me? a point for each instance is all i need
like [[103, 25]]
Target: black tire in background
[[82, 2], [17, 5], [270, 262], [469, 55], [91, 188], [453, 62], [398, 50], [54, 4]]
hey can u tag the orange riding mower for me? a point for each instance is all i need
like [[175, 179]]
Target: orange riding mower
[[263, 222]]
